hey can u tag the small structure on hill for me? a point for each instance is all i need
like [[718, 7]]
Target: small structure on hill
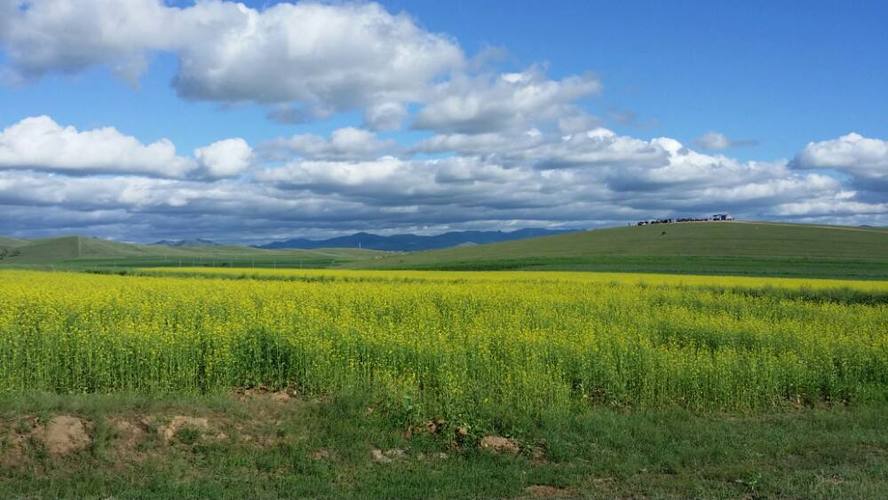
[[714, 218]]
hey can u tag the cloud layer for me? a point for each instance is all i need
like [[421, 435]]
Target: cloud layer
[[104, 182]]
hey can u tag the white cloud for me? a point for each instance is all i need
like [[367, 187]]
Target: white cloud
[[863, 158], [338, 56], [351, 181], [385, 116], [593, 178], [480, 144], [598, 147], [577, 122], [70, 35], [836, 205], [555, 176], [225, 158], [303, 61], [41, 143], [322, 57], [503, 102]]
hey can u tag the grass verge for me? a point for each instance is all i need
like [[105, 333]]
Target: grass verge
[[269, 445]]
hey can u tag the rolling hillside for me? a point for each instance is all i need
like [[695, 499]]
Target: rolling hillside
[[11, 242], [706, 248], [735, 248], [80, 251]]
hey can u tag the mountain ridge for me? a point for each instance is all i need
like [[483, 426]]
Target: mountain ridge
[[408, 242], [196, 242]]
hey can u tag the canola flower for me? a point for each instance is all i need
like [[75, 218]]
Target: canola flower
[[473, 347]]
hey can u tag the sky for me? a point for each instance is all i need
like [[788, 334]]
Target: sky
[[140, 120]]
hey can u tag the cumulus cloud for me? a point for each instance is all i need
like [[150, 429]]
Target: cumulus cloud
[[598, 147], [322, 57], [225, 158], [385, 116], [41, 143], [341, 56], [492, 103], [69, 36], [864, 159], [303, 61]]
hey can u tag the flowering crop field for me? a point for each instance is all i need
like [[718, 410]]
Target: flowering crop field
[[472, 347]]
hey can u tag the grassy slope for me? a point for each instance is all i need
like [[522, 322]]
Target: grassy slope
[[80, 251], [717, 248], [11, 242], [729, 248], [269, 450]]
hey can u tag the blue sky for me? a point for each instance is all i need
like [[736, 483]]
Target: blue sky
[[782, 73], [778, 87]]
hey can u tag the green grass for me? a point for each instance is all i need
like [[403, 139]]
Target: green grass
[[736, 248], [11, 242], [80, 252], [268, 448]]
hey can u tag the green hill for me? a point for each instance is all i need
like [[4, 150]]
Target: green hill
[[11, 242], [705, 248], [731, 248], [77, 251]]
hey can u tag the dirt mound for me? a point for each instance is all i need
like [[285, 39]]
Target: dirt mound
[[179, 423], [129, 435], [64, 435], [12, 448]]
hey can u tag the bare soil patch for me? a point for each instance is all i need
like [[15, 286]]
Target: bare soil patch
[[499, 444], [180, 423], [64, 435]]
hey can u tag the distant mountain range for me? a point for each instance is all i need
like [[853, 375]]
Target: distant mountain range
[[413, 242], [198, 242]]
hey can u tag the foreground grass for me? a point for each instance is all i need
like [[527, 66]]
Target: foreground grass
[[601, 385], [322, 448]]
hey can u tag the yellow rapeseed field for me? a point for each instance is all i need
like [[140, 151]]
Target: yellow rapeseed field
[[472, 347]]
